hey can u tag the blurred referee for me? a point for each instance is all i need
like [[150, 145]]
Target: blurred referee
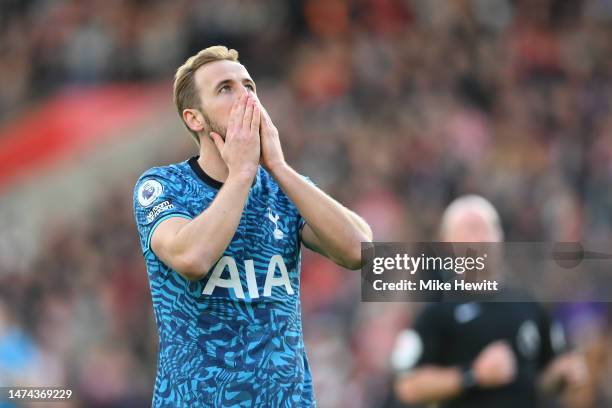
[[481, 354]]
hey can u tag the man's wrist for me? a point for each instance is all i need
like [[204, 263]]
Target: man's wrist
[[468, 379], [244, 175], [278, 167]]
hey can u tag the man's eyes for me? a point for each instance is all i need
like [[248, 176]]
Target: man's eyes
[[226, 88]]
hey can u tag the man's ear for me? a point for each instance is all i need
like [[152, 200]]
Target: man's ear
[[194, 119]]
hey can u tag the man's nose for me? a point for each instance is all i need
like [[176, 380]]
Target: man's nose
[[241, 91]]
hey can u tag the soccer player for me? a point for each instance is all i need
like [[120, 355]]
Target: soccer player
[[481, 354], [221, 236]]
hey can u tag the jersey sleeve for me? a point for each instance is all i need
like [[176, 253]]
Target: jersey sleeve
[[419, 345], [157, 197], [553, 338]]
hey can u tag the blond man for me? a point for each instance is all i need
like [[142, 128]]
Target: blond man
[[221, 235]]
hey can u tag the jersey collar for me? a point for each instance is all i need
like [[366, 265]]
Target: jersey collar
[[195, 166], [193, 163]]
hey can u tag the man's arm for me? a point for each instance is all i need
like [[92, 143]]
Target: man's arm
[[567, 371], [331, 229], [192, 247], [428, 384], [311, 240], [494, 366], [561, 369]]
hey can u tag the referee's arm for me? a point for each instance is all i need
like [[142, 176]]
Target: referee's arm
[[428, 384], [423, 376], [563, 369], [494, 366]]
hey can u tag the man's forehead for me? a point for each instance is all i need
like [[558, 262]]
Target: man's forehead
[[209, 75]]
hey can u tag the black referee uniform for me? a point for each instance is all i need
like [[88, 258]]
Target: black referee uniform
[[453, 334]]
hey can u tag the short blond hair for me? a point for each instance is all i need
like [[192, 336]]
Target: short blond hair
[[185, 89]]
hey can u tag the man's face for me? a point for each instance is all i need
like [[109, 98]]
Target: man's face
[[219, 84]]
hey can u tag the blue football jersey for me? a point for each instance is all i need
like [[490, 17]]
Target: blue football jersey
[[233, 338]]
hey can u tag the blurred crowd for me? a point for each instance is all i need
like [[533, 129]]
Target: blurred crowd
[[392, 106]]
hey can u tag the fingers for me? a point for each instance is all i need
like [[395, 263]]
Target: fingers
[[255, 121], [218, 140], [236, 115], [231, 123], [248, 113], [265, 118]]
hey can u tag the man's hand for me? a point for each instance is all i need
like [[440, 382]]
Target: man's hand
[[495, 365], [241, 149], [567, 370], [271, 150], [331, 229]]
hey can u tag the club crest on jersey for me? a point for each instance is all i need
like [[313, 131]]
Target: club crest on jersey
[[148, 192], [277, 233]]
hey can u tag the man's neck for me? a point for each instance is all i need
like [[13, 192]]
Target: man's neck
[[210, 160]]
